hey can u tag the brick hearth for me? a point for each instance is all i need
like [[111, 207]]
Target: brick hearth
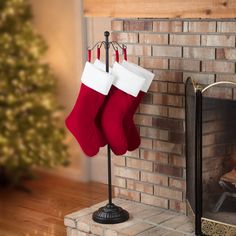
[[145, 220]]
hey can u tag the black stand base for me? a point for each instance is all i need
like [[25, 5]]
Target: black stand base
[[110, 214]]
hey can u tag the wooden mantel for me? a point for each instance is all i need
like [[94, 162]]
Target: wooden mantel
[[160, 8]]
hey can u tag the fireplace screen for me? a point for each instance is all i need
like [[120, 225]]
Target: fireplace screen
[[211, 157]]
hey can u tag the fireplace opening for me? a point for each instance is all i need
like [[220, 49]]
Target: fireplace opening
[[219, 159], [211, 156]]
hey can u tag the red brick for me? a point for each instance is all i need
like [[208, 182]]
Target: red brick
[[133, 59], [154, 178], [119, 160], [153, 38], [218, 150], [226, 27], [176, 88], [169, 100], [226, 77], [138, 50], [177, 161], [201, 26], [179, 206], [178, 39], [213, 126], [158, 86], [154, 156], [167, 147], [137, 25], [199, 53], [188, 65], [208, 139], [171, 124], [167, 51], [139, 164], [153, 110], [177, 183], [147, 99], [154, 63], [200, 78], [218, 40], [117, 25], [119, 182], [140, 186], [168, 193], [127, 194], [177, 113], [154, 201], [154, 133], [146, 143], [168, 170], [218, 66], [126, 173], [134, 153], [226, 53], [124, 37], [143, 120], [167, 26], [171, 76], [176, 137], [219, 92]]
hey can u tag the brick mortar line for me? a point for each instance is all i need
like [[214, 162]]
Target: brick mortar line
[[155, 116], [153, 195], [185, 59], [188, 71], [171, 229], [177, 45], [162, 129], [152, 172], [175, 19], [149, 172], [165, 93], [175, 33]]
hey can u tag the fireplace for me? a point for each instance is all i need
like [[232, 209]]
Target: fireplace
[[211, 156]]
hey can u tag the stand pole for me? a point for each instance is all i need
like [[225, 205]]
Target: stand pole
[[109, 214], [107, 34]]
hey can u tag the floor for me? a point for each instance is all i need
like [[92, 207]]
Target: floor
[[145, 220], [41, 211]]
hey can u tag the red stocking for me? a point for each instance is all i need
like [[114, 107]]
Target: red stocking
[[82, 120], [132, 133], [121, 97]]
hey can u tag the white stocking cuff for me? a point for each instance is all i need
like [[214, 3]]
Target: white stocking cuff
[[126, 80], [97, 79], [138, 70]]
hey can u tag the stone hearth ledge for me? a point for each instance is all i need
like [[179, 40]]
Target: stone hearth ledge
[[144, 220]]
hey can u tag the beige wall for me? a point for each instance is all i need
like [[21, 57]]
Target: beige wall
[[62, 25], [60, 22]]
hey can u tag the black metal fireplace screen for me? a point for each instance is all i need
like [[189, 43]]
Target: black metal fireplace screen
[[211, 157]]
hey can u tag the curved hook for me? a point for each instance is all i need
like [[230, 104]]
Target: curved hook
[[96, 45]]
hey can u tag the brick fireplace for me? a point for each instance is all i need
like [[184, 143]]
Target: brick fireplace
[[155, 174], [174, 50]]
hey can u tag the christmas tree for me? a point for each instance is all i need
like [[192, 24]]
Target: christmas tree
[[29, 131]]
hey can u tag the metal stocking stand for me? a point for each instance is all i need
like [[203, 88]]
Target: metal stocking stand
[[109, 214]]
